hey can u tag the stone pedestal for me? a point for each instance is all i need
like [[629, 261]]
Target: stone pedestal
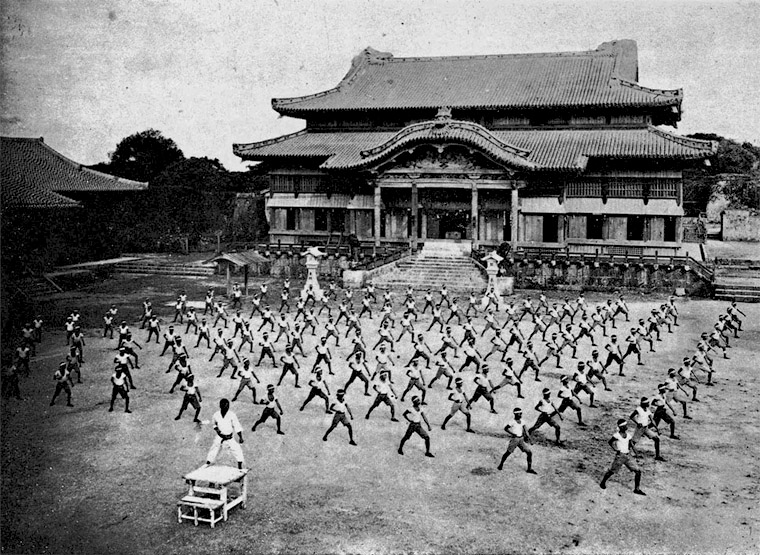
[[313, 255]]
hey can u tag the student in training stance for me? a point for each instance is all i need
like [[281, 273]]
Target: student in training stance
[[247, 375], [359, 346], [226, 425], [285, 301], [444, 369], [340, 408], [237, 321], [221, 314], [406, 327], [569, 340], [663, 410], [246, 337], [510, 378], [359, 371], [459, 403], [353, 324], [448, 342], [421, 350], [319, 388], [22, 357], [107, 325], [10, 386], [310, 321], [437, 319], [237, 296], [416, 379], [263, 290], [701, 359], [290, 365], [62, 380], [120, 388], [411, 308], [621, 443], [366, 307], [178, 349], [582, 383], [546, 413], [471, 356], [192, 321], [208, 302], [323, 355], [687, 378], [645, 427], [69, 327], [147, 313], [491, 324], [568, 399], [385, 394], [170, 339], [428, 301], [384, 363], [204, 332], [384, 336], [614, 354], [519, 438], [128, 346], [633, 346], [154, 329], [231, 358], [178, 312], [531, 361], [192, 397], [255, 306], [538, 326], [642, 332], [553, 349], [675, 392], [183, 372], [484, 389], [584, 330], [77, 342], [444, 297], [267, 350], [295, 339], [273, 409], [415, 416], [455, 312], [596, 370], [332, 331]]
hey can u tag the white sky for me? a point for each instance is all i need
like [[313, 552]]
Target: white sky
[[85, 74]]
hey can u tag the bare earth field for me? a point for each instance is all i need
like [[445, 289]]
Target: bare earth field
[[83, 480]]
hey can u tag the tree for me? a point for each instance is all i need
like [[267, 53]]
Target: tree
[[142, 156]]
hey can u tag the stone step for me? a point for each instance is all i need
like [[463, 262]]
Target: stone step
[[738, 297], [164, 269]]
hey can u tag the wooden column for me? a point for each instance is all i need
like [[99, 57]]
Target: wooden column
[[514, 216], [474, 216], [413, 216], [377, 214]]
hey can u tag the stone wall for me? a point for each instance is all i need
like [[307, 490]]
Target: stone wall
[[604, 277], [740, 225]]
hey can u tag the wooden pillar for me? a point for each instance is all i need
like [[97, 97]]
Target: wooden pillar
[[377, 214], [413, 216], [513, 216], [229, 280], [474, 216]]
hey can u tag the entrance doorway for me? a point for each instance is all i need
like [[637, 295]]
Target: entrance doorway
[[448, 224]]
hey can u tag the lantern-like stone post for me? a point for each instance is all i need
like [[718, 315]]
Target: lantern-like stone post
[[500, 286], [313, 255]]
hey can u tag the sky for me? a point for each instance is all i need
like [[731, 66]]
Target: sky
[[84, 74]]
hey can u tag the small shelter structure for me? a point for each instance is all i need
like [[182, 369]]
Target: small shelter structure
[[234, 261]]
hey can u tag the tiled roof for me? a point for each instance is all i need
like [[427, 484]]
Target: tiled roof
[[551, 149], [30, 161], [603, 78], [18, 193]]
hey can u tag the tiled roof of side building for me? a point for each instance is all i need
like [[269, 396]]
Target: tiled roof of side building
[[41, 166], [604, 77], [551, 149]]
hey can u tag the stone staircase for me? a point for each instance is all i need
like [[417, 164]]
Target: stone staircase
[[163, 267], [37, 287], [436, 264], [738, 280]]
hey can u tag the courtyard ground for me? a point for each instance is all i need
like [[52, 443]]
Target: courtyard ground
[[83, 480]]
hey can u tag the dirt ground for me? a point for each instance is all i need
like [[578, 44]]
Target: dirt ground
[[83, 480]]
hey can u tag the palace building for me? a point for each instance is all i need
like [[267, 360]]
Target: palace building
[[562, 150]]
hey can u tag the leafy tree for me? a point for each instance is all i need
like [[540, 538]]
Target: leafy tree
[[142, 156]]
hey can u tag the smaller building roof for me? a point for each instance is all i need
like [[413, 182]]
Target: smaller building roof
[[29, 161], [240, 259]]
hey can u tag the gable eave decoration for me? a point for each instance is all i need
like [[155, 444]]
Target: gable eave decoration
[[448, 131]]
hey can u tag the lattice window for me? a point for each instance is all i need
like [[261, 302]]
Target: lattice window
[[663, 188], [625, 188], [584, 189]]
